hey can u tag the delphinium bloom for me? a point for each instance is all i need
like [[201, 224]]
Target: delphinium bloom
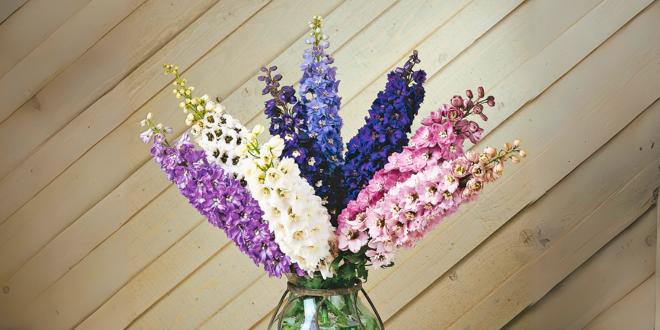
[[440, 137], [386, 127], [288, 120], [318, 93], [219, 197], [214, 130], [412, 208], [296, 216]]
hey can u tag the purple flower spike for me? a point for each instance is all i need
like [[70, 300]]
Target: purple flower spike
[[385, 130], [223, 201]]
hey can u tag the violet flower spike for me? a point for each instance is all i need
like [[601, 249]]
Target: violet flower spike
[[221, 199]]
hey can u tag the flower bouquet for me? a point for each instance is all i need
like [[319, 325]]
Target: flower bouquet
[[302, 204]]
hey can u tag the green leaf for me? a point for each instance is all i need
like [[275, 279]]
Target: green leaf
[[335, 263]]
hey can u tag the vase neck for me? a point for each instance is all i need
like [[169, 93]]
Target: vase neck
[[302, 291]]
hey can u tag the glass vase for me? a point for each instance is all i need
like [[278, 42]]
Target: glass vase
[[325, 309]]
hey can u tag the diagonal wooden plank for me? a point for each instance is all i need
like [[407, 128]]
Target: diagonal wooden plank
[[634, 311], [111, 111], [61, 48], [510, 195], [547, 224], [9, 7], [496, 56], [19, 34], [98, 70], [185, 47], [47, 266], [530, 282], [62, 149], [53, 309], [599, 283], [159, 277]]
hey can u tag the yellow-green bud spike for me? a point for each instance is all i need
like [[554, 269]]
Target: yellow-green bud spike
[[317, 31]]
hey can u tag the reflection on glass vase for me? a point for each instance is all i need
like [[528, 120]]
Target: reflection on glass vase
[[325, 309]]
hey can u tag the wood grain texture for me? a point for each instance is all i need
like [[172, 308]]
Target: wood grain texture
[[93, 236], [9, 7], [599, 284], [634, 311], [120, 51], [61, 48], [19, 34], [461, 233]]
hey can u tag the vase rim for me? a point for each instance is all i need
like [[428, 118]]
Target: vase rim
[[301, 291]]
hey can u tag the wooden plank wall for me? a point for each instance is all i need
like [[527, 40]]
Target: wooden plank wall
[[93, 236]]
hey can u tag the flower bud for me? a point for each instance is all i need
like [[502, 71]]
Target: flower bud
[[468, 93], [508, 146], [490, 151], [257, 130], [483, 158], [498, 169], [150, 115], [515, 159], [516, 142], [523, 154], [491, 101], [480, 92], [472, 156], [457, 101]]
